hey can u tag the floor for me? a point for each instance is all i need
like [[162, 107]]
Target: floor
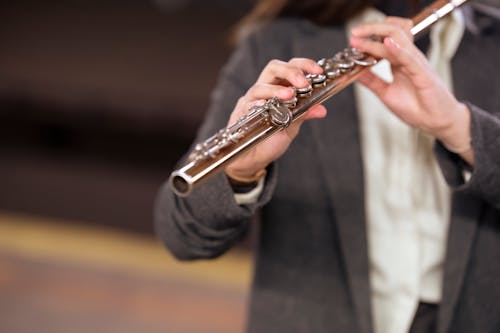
[[60, 277], [94, 112]]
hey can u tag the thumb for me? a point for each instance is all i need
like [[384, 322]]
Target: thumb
[[374, 83], [315, 112]]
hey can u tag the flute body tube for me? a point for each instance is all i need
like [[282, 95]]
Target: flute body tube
[[262, 121]]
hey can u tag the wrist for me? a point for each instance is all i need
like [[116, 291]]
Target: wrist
[[246, 177], [456, 137]]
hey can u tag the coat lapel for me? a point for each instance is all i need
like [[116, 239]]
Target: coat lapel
[[338, 145], [465, 208], [463, 226]]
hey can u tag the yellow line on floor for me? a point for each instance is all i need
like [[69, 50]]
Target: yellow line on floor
[[52, 239]]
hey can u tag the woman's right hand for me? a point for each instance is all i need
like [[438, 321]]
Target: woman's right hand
[[275, 80]]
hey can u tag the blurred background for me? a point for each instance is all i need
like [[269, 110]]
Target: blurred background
[[98, 100]]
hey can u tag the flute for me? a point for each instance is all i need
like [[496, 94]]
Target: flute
[[211, 155]]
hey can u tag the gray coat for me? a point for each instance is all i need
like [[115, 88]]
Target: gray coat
[[311, 270]]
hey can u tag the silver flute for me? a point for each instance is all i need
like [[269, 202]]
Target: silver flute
[[274, 115]]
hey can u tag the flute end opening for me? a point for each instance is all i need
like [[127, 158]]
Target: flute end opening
[[180, 185]]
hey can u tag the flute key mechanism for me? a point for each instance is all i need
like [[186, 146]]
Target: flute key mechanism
[[266, 119], [262, 121], [279, 114]]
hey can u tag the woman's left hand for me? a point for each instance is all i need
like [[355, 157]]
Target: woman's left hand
[[416, 95]]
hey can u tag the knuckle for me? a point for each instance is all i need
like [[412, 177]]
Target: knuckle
[[405, 34], [274, 63], [394, 21], [400, 22], [302, 62], [253, 89], [241, 100], [259, 90], [296, 71], [297, 60]]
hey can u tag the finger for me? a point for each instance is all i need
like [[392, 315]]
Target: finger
[[409, 58], [405, 24], [266, 90], [240, 109], [362, 37], [256, 103], [277, 71], [307, 65], [257, 95], [243, 107], [397, 48], [375, 48], [383, 29], [315, 112]]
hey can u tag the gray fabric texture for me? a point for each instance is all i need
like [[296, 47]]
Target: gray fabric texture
[[311, 272]]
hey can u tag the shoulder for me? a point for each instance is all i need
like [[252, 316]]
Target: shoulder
[[284, 38], [287, 27], [290, 29], [474, 61]]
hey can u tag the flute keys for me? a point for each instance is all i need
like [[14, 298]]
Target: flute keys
[[333, 73], [330, 69], [361, 58], [368, 61], [289, 103], [344, 60], [280, 115], [304, 92], [324, 63], [316, 79], [345, 64], [354, 53]]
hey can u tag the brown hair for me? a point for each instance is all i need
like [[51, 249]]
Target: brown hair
[[320, 12]]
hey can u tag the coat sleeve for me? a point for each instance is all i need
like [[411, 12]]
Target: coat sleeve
[[208, 222], [485, 179]]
